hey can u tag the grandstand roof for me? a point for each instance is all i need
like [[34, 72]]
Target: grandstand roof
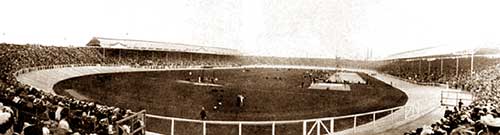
[[446, 51], [158, 46]]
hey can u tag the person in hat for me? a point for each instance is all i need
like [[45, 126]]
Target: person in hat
[[64, 124], [6, 121], [60, 108], [460, 104], [492, 124]]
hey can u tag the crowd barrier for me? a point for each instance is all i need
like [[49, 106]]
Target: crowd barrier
[[133, 124], [453, 97], [309, 126]]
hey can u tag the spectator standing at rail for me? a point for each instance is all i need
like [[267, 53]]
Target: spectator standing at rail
[[203, 114], [460, 104]]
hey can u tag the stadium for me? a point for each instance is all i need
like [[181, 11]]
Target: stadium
[[123, 86], [249, 67]]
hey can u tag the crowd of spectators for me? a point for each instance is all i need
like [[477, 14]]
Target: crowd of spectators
[[482, 116], [166, 59], [30, 111], [443, 71], [16, 57], [38, 112]]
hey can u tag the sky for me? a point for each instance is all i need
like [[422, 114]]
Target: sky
[[291, 28]]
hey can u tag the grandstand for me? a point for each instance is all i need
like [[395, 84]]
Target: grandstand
[[400, 93], [157, 46], [21, 59], [471, 74], [440, 64]]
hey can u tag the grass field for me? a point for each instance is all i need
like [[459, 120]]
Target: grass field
[[271, 94]]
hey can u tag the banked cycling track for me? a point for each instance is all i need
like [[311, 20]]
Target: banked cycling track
[[422, 99]]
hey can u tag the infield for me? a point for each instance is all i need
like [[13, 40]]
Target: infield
[[271, 94]]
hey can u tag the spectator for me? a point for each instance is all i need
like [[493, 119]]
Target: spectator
[[6, 121], [203, 114]]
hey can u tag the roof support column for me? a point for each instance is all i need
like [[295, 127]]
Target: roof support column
[[472, 64], [441, 67], [104, 52], [120, 55], [429, 67], [419, 67], [191, 57], [456, 69], [166, 56]]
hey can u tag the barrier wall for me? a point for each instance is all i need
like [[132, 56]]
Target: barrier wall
[[453, 97], [309, 126]]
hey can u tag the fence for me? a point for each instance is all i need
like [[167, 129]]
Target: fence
[[308, 126], [453, 97], [133, 124]]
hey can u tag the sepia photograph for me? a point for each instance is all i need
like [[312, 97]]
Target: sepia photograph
[[249, 67]]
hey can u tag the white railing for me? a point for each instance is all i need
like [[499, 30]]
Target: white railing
[[309, 126], [453, 97], [135, 123]]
